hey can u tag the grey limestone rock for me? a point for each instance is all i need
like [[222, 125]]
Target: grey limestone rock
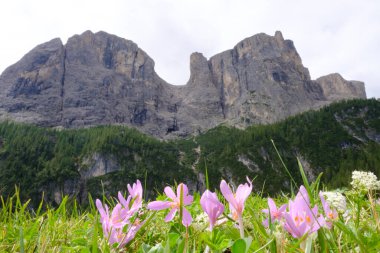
[[30, 90], [98, 79], [334, 87]]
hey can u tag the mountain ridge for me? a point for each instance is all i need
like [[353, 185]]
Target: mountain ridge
[[101, 79]]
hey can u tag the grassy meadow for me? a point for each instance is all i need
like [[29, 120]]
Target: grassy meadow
[[349, 226]]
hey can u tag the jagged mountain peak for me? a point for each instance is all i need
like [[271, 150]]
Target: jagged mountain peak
[[99, 78]]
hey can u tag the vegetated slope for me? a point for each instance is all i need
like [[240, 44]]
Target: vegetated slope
[[334, 140], [40, 159]]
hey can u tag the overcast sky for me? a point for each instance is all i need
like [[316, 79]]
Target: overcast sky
[[330, 35]]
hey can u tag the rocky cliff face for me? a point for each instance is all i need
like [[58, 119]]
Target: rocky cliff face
[[103, 79]]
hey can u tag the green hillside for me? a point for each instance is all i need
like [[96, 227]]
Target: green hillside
[[335, 140]]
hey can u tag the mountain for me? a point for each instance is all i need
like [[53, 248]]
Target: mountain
[[101, 79], [335, 140]]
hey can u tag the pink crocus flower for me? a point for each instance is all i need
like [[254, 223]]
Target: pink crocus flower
[[104, 216], [119, 217], [212, 207], [126, 204], [117, 235], [301, 218], [275, 214], [121, 225], [114, 224], [236, 200], [175, 204], [330, 213], [134, 200], [136, 192]]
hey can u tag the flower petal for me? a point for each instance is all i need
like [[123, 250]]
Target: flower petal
[[185, 190], [159, 205], [100, 207], [283, 208], [123, 201], [266, 223], [242, 193], [170, 193], [139, 188], [136, 190], [118, 217], [211, 206], [171, 215], [325, 205], [320, 222], [205, 204], [227, 193], [187, 200], [291, 227], [272, 205], [186, 217], [130, 189], [303, 229], [130, 234], [303, 195]]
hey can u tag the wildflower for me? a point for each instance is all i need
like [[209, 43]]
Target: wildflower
[[212, 206], [119, 216], [237, 200], [120, 226], [114, 225], [364, 181], [126, 204], [336, 200], [121, 238], [275, 214], [104, 216], [331, 214], [175, 204], [200, 222], [136, 192], [134, 200], [301, 218]]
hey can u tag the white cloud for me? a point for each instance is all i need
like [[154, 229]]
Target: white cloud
[[331, 36]]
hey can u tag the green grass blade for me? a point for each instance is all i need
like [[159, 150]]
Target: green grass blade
[[22, 250], [283, 164], [316, 183], [40, 205], [305, 181], [94, 246], [206, 177]]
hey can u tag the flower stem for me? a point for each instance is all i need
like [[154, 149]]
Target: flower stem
[[241, 225], [181, 204], [186, 240], [373, 204], [303, 245]]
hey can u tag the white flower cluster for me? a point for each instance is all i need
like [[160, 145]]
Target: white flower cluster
[[200, 222], [336, 200], [364, 181]]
